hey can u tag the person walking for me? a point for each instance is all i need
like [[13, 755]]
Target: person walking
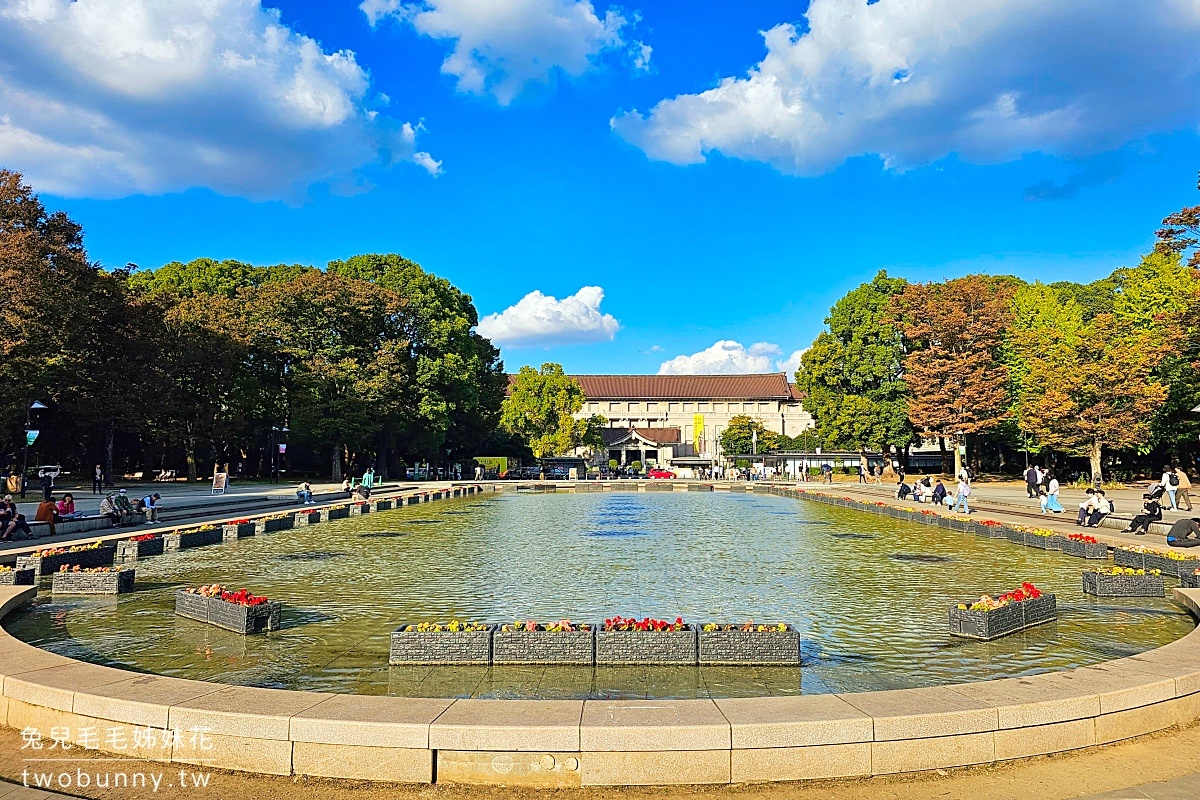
[[1052, 488], [1183, 490], [1170, 484], [1032, 479], [98, 480], [964, 491], [862, 474]]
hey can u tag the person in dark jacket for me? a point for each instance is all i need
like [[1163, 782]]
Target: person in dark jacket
[[1151, 512], [1185, 533], [939, 494]]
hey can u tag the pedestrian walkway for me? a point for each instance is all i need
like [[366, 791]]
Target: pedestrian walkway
[[1185, 788]]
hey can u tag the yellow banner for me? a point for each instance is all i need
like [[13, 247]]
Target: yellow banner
[[698, 435]]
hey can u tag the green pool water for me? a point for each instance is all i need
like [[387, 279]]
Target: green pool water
[[869, 594]]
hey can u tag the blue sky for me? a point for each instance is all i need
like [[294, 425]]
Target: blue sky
[[663, 176]]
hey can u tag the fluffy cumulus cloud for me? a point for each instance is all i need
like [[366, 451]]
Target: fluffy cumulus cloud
[[106, 98], [728, 357], [539, 320], [500, 47], [914, 80]]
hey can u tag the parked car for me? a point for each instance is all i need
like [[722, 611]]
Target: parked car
[[664, 474], [523, 474]]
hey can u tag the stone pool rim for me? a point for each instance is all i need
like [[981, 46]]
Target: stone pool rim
[[573, 743]]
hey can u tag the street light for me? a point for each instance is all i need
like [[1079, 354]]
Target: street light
[[275, 452], [37, 405]]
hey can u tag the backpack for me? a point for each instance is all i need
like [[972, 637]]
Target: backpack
[[1173, 479]]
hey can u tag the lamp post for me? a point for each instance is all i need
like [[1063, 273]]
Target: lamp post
[[36, 405], [275, 452]]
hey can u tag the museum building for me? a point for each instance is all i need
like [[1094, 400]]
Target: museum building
[[678, 419]]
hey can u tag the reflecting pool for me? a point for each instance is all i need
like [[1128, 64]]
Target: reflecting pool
[[870, 595]]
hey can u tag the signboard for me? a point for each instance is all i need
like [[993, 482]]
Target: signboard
[[220, 479], [698, 427], [282, 448], [31, 437]]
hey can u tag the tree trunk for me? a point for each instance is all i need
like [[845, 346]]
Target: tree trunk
[[190, 444], [958, 459], [945, 456], [109, 435], [1094, 454], [863, 466], [336, 464]]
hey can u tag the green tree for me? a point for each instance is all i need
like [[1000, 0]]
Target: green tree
[[740, 434], [541, 406], [852, 375], [1091, 388]]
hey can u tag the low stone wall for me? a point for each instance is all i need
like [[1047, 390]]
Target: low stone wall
[[570, 743]]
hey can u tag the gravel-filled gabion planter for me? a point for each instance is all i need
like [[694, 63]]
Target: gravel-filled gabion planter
[[359, 508], [1041, 542], [1092, 551], [646, 646], [196, 537], [108, 581], [1189, 580], [230, 616], [25, 576], [990, 619], [748, 644], [88, 557], [133, 549], [305, 518], [384, 505], [272, 524], [236, 530], [336, 512], [1175, 567], [412, 646], [1013, 535], [1129, 558], [541, 646], [1107, 584]]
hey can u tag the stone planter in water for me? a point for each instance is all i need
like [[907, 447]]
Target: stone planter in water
[[543, 647], [749, 647], [233, 532], [646, 647], [336, 512], [25, 576], [183, 540], [1128, 558], [383, 505], [1043, 542], [129, 550], [229, 616], [118, 581], [305, 518], [440, 647], [95, 557], [1014, 536], [1101, 585], [272, 525], [987, 625], [1097, 551], [1189, 580], [1175, 567]]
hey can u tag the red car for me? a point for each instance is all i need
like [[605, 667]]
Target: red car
[[665, 474]]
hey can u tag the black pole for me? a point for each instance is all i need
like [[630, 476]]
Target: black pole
[[274, 457], [25, 457]]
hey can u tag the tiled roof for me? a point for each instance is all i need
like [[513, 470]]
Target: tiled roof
[[656, 435], [769, 386]]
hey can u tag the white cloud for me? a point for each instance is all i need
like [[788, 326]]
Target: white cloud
[[106, 98], [641, 55], [726, 357], [427, 162], [503, 46], [914, 80], [790, 364], [538, 320]]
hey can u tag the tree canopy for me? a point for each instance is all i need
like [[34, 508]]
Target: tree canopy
[[541, 406]]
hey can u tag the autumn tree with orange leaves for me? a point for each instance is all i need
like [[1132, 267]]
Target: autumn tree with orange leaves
[[954, 370]]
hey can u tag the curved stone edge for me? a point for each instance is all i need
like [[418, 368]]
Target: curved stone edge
[[570, 743]]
